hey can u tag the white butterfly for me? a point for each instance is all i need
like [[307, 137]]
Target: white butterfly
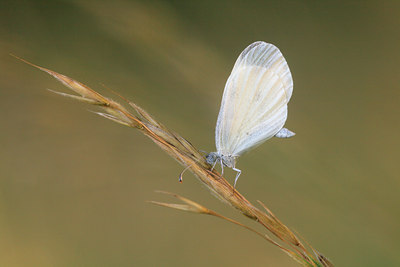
[[254, 104]]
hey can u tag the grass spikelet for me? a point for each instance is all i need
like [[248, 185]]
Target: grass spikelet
[[186, 154]]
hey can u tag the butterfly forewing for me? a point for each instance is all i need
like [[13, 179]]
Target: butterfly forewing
[[267, 56]]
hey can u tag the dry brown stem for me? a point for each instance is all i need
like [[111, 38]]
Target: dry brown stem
[[186, 154]]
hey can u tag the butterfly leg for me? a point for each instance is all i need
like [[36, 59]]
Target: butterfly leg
[[238, 172], [215, 163], [222, 167]]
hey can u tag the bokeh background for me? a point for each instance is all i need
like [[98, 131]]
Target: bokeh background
[[74, 186]]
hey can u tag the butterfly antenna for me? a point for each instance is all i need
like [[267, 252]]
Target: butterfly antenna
[[203, 151], [181, 175]]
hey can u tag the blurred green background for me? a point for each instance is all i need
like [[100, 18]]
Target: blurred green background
[[74, 186]]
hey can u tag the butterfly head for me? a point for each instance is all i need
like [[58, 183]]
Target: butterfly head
[[212, 157], [227, 160]]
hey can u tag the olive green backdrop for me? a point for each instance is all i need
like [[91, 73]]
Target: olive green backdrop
[[74, 186]]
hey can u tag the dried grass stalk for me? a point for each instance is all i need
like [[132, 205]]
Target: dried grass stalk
[[185, 153]]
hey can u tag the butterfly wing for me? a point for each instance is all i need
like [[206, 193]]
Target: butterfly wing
[[267, 56], [254, 103]]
